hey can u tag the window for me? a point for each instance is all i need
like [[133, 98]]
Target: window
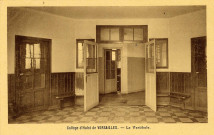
[[109, 34], [161, 52], [112, 34], [133, 34], [79, 52]]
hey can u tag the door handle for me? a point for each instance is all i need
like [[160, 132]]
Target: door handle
[[197, 72]]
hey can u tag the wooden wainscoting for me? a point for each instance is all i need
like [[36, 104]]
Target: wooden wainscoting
[[163, 88], [182, 83], [185, 83], [61, 84], [11, 95]]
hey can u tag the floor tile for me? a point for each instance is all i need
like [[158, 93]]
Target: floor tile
[[113, 114], [152, 120], [185, 120]]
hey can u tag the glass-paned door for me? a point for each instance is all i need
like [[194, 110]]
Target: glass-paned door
[[150, 91], [110, 70], [91, 89], [32, 73]]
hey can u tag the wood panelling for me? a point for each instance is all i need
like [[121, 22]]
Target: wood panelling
[[162, 86], [201, 99], [181, 83], [61, 84], [162, 82], [11, 95], [136, 74]]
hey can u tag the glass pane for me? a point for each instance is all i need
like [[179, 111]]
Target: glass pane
[[43, 65], [114, 34], [39, 80], [113, 74], [91, 59], [37, 63], [128, 33], [104, 34], [91, 51], [80, 55], [90, 63], [29, 51], [138, 34], [107, 74], [118, 55], [113, 66], [150, 58], [43, 50], [37, 51], [108, 63], [26, 81], [113, 55], [108, 56], [28, 63]]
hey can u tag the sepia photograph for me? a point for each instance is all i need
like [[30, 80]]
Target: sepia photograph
[[82, 68], [90, 65]]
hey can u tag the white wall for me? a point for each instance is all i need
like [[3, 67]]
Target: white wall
[[182, 29], [36, 24]]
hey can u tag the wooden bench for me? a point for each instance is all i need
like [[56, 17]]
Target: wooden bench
[[181, 97], [62, 97]]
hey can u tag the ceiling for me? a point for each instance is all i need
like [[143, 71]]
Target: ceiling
[[119, 12]]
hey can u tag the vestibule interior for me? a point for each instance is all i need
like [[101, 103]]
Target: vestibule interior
[[65, 31]]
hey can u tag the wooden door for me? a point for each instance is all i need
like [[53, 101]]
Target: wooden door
[[91, 87], [110, 71], [199, 72], [32, 73], [150, 89]]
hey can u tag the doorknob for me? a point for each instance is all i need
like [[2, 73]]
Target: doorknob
[[197, 72]]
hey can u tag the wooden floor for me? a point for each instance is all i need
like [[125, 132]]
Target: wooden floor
[[118, 99]]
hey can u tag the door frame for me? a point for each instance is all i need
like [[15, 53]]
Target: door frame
[[17, 90], [103, 57]]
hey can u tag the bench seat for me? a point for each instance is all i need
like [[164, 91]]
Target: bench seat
[[62, 97]]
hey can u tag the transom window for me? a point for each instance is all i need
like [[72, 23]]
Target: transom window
[[110, 33]]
